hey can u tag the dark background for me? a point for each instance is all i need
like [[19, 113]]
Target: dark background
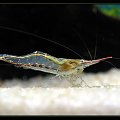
[[74, 26]]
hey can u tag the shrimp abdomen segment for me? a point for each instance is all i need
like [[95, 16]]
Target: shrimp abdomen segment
[[30, 60]]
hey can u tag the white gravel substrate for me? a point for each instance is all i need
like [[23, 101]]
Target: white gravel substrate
[[40, 96]]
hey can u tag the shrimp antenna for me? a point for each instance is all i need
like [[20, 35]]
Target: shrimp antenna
[[115, 58], [35, 35], [111, 64], [84, 44], [95, 47]]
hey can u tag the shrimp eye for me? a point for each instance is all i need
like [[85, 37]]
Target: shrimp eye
[[82, 60]]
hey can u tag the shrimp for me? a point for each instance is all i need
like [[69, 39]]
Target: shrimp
[[41, 61], [44, 62]]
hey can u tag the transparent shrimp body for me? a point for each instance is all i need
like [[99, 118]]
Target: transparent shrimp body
[[47, 63]]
